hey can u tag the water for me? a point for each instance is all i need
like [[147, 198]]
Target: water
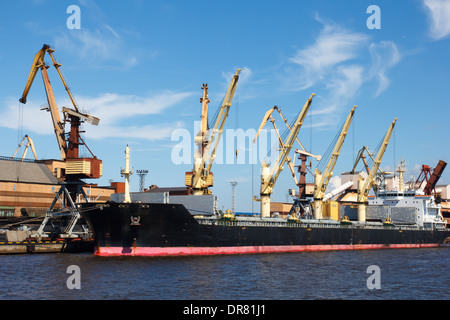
[[418, 274]]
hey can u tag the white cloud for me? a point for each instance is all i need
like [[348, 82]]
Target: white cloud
[[148, 132], [113, 107], [438, 12], [384, 55], [32, 118], [333, 47], [101, 47], [337, 65], [121, 116]]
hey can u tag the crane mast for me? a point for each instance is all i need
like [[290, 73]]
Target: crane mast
[[321, 180], [364, 185], [269, 177], [201, 177]]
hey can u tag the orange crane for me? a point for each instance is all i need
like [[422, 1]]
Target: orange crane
[[76, 167], [431, 179]]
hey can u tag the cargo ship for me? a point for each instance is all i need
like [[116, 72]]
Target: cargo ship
[[158, 224], [152, 224], [164, 229]]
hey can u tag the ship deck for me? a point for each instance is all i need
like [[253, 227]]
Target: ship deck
[[304, 223]]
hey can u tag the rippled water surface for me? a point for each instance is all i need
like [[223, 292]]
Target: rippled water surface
[[404, 274]]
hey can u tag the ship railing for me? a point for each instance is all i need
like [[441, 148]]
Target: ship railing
[[18, 159], [304, 224]]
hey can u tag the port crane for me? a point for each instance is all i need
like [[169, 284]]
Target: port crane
[[321, 179], [29, 144], [269, 177], [207, 140], [76, 168], [268, 116], [361, 157], [300, 183], [365, 184], [429, 178]]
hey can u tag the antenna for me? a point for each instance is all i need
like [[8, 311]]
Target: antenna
[[141, 174], [233, 187]]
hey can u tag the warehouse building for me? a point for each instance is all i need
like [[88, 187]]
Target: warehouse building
[[27, 187]]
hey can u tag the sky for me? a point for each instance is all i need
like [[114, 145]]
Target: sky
[[139, 66]]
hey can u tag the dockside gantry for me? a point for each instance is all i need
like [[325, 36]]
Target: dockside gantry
[[76, 167]]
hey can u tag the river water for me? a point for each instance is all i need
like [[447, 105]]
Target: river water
[[417, 274]]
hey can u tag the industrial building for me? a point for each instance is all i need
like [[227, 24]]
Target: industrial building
[[28, 187]]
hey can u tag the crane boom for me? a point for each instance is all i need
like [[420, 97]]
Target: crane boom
[[63, 80], [431, 179], [276, 170], [362, 157], [268, 116], [201, 177], [322, 179], [269, 178], [58, 125], [222, 117], [364, 185], [38, 62], [368, 182], [27, 145]]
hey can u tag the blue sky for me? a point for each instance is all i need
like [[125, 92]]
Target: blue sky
[[139, 67]]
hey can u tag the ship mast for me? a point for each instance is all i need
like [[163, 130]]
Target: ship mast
[[127, 172], [401, 169]]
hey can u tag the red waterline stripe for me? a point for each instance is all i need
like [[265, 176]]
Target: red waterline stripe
[[186, 251]]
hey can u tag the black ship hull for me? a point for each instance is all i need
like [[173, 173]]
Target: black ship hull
[[155, 229]]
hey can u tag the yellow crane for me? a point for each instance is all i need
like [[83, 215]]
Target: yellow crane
[[270, 177], [201, 178], [268, 116], [321, 180], [362, 157], [76, 167], [29, 144], [364, 185]]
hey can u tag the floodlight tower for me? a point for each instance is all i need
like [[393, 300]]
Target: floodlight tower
[[142, 174]]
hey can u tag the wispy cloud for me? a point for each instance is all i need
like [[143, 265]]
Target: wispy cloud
[[102, 47], [384, 55], [339, 63], [332, 47], [438, 12], [121, 116], [113, 107]]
